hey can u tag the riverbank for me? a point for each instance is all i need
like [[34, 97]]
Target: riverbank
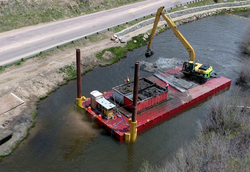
[[222, 142], [36, 78]]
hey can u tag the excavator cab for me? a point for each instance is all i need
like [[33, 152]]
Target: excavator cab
[[188, 67]]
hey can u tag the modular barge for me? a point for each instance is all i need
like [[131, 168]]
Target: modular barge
[[156, 101]]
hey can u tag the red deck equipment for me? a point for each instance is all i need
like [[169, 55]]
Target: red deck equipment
[[156, 108]]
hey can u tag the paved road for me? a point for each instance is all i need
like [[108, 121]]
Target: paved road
[[25, 42]]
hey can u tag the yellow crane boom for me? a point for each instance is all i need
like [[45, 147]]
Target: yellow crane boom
[[189, 67], [177, 33]]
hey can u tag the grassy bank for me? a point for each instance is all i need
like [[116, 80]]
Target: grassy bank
[[120, 52], [69, 71], [16, 14]]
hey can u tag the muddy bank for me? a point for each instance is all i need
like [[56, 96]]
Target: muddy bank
[[37, 77], [34, 80]]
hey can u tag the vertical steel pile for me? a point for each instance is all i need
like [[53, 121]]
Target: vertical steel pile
[[132, 134], [79, 82]]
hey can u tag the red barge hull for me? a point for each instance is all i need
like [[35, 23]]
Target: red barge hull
[[176, 103]]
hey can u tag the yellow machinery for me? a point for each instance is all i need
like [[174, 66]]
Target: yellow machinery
[[100, 104], [189, 67], [105, 107], [131, 135], [79, 101]]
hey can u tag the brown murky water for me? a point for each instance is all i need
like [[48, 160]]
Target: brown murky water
[[65, 139]]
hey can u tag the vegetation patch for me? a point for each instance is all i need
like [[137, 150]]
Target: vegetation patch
[[69, 72], [244, 77], [245, 46], [120, 52], [21, 13], [223, 141]]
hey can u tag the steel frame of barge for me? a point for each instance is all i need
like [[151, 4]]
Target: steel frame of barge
[[150, 116]]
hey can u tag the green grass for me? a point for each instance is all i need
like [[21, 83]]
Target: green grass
[[18, 63], [242, 9], [120, 52], [17, 14], [70, 72], [97, 37]]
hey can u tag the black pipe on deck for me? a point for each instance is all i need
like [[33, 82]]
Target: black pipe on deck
[[78, 68], [135, 91]]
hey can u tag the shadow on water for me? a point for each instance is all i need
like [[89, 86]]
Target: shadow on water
[[65, 139]]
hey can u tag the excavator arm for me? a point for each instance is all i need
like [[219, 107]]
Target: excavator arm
[[177, 33]]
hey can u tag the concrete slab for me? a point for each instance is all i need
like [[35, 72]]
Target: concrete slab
[[5, 135], [8, 102]]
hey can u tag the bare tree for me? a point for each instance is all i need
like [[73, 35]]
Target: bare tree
[[222, 143], [244, 76], [246, 40]]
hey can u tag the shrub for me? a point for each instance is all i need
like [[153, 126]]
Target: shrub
[[244, 76], [223, 141], [246, 40]]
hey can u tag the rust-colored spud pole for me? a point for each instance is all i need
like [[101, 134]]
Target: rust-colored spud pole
[[79, 82], [135, 91], [78, 68], [132, 134]]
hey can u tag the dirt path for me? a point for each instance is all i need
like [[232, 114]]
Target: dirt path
[[36, 77]]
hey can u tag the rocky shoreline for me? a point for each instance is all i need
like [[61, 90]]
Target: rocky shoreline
[[46, 79], [196, 13]]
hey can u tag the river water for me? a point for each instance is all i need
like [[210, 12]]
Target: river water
[[65, 139]]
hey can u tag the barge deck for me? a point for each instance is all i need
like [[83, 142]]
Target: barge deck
[[177, 101]]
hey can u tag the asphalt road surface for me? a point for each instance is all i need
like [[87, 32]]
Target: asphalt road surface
[[28, 41]]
